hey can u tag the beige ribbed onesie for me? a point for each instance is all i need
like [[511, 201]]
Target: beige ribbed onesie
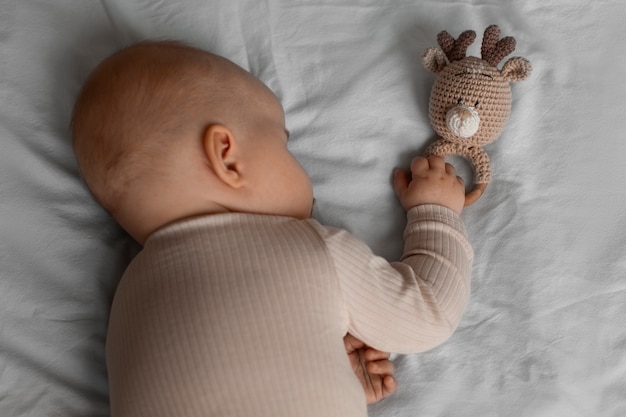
[[239, 315]]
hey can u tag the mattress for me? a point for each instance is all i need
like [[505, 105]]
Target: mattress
[[544, 332]]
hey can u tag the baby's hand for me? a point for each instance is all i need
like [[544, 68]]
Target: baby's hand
[[373, 369], [433, 181]]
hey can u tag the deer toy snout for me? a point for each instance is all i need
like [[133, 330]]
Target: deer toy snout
[[464, 84], [463, 121]]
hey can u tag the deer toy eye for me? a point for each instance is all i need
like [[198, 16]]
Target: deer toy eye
[[476, 104], [459, 101]]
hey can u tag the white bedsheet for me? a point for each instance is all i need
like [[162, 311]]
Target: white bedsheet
[[544, 334]]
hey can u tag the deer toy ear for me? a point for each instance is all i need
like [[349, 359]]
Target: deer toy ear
[[434, 59], [516, 69]]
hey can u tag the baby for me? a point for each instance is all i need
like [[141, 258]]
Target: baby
[[239, 302]]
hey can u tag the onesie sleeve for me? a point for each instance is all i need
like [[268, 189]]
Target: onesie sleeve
[[415, 304]]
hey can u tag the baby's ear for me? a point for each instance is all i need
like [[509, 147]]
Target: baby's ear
[[221, 149], [516, 69], [434, 59]]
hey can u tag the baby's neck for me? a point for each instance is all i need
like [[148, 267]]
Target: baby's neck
[[147, 215]]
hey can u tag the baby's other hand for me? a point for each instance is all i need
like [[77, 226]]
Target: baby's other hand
[[432, 181], [373, 369]]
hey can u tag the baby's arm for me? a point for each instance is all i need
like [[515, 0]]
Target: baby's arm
[[415, 304]]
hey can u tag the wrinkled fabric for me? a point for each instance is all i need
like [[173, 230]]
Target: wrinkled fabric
[[543, 334]]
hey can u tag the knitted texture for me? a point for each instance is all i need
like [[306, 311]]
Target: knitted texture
[[493, 50], [455, 49], [471, 82], [471, 90], [475, 154]]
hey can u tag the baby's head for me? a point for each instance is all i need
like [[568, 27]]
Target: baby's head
[[163, 131]]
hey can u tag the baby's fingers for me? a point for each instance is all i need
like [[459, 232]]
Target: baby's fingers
[[400, 182], [351, 343], [390, 385], [382, 367], [376, 355], [420, 164]]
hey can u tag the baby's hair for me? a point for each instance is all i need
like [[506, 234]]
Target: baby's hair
[[134, 107]]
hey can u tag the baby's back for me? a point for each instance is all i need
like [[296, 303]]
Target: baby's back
[[231, 315]]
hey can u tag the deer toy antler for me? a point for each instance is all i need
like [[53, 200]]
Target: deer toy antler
[[455, 49], [493, 50], [470, 101]]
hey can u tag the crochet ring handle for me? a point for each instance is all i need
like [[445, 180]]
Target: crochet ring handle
[[475, 194]]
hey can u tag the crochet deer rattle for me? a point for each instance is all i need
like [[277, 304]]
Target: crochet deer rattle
[[470, 101]]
